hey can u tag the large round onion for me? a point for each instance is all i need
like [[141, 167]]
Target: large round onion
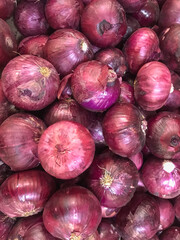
[[72, 213], [139, 219], [7, 8], [95, 86], [161, 177], [6, 224], [107, 230], [66, 149], [177, 207], [113, 179], [124, 129], [30, 82], [66, 48], [152, 85], [104, 26], [131, 6], [25, 193], [170, 233], [19, 137]]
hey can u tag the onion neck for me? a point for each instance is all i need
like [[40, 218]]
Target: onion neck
[[106, 180], [103, 27], [75, 236]]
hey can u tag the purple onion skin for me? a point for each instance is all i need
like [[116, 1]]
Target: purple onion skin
[[131, 6], [137, 159], [30, 18], [19, 137], [107, 230], [33, 45], [161, 177], [170, 233], [6, 225], [104, 26], [7, 8], [141, 47], [64, 90], [127, 93], [139, 219], [109, 212], [69, 210], [30, 82], [66, 49], [155, 238], [25, 193], [64, 13], [5, 172], [177, 207]]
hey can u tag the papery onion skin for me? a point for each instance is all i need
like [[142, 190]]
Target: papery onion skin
[[66, 49], [161, 177], [5, 172], [64, 13], [152, 85], [109, 212], [69, 210], [127, 93], [177, 207], [19, 137], [104, 26], [137, 159], [29, 18], [107, 230], [170, 233], [7, 8], [6, 225], [123, 129], [30, 82], [25, 193], [131, 6], [139, 219], [64, 90], [141, 47], [33, 45], [95, 86], [163, 135], [66, 149]]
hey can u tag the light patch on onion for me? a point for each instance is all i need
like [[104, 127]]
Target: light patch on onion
[[106, 180], [9, 42], [168, 166], [84, 46]]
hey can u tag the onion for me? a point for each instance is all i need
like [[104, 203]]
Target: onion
[[177, 207], [6, 224], [139, 219], [127, 93], [137, 159], [163, 135], [114, 58], [161, 177], [33, 45], [109, 212], [152, 85], [72, 213], [30, 82], [140, 186], [63, 13], [19, 137], [141, 47], [7, 8], [124, 129], [25, 193], [30, 18], [65, 87], [66, 48], [66, 149], [170, 233], [107, 230], [113, 179], [155, 238], [131, 6], [104, 26], [5, 172], [95, 86]]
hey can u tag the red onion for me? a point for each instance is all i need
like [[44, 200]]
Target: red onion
[[131, 6], [33, 45], [72, 213], [107, 230], [141, 47], [163, 135], [64, 13], [140, 186], [114, 58], [5, 172], [19, 137], [95, 86], [155, 238], [104, 25], [152, 85], [30, 82], [25, 193], [66, 149], [177, 207], [139, 219], [7, 8], [65, 87], [137, 159], [127, 93], [161, 177], [30, 18], [170, 233], [109, 212], [113, 179], [94, 236], [124, 129], [66, 48], [6, 224]]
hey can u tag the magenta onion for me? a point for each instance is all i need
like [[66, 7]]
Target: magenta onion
[[33, 45], [5, 172], [137, 159], [30, 82], [177, 207], [109, 212], [104, 26], [6, 224], [141, 47], [131, 6], [72, 213], [30, 18], [19, 137], [139, 219], [66, 48], [161, 177], [64, 13], [66, 149], [25, 193], [163, 135], [7, 8], [95, 86], [124, 129], [127, 93], [170, 233], [107, 230], [152, 85]]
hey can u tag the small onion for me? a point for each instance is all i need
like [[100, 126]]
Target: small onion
[[72, 213], [131, 6], [65, 87], [7, 8], [6, 224], [107, 230], [25, 193], [109, 212], [170, 233], [177, 207]]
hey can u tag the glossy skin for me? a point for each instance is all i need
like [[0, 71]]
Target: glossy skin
[[107, 230], [171, 233], [109, 212], [6, 224]]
